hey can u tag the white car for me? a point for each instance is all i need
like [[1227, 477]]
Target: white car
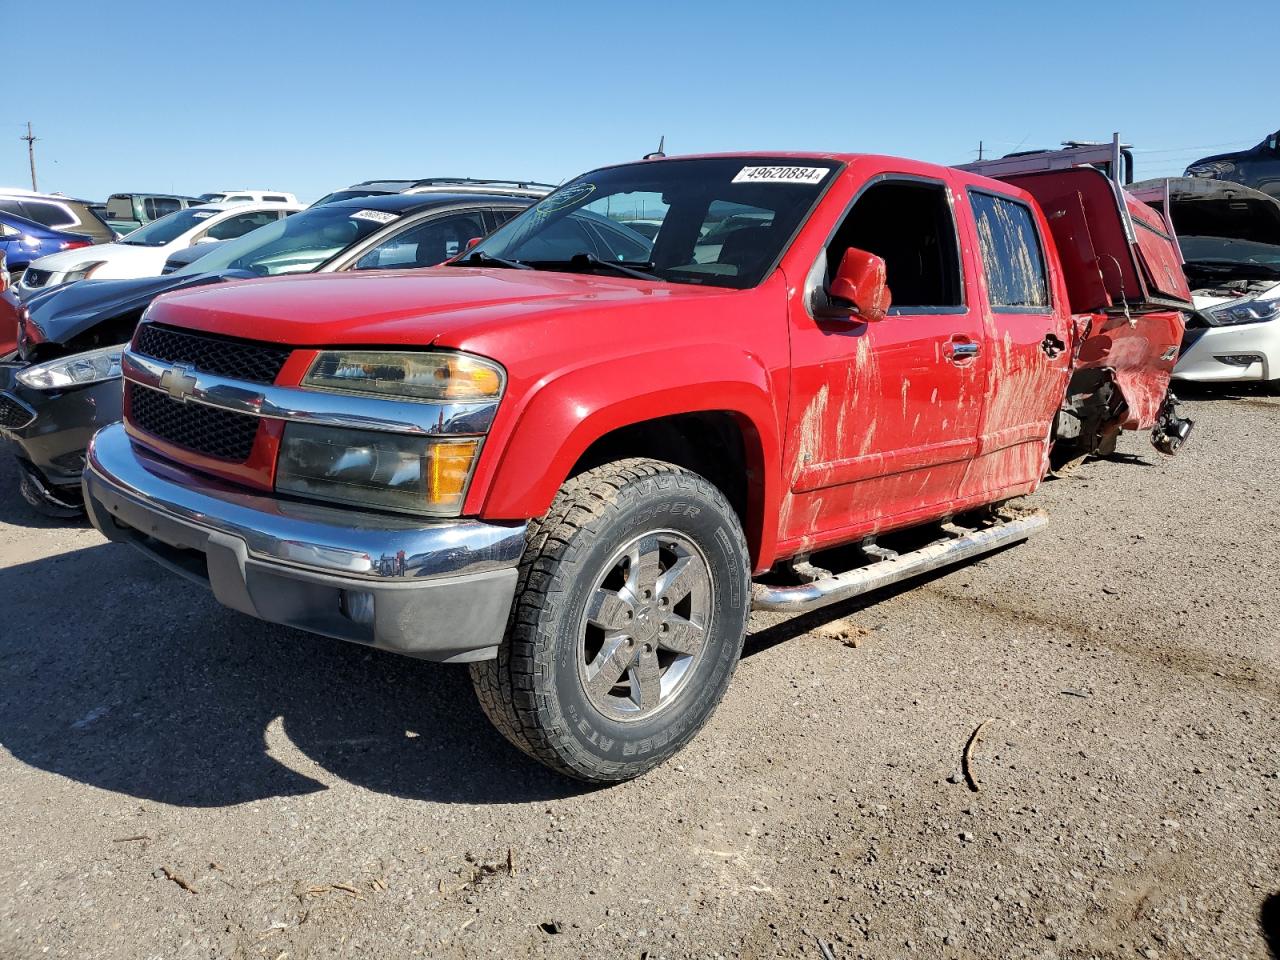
[[144, 251], [1229, 235], [1240, 340], [248, 196]]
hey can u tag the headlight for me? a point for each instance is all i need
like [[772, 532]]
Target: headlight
[[74, 371], [1245, 311], [1213, 169], [82, 271], [406, 376], [389, 470]]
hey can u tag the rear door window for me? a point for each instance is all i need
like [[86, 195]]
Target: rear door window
[[1012, 257]]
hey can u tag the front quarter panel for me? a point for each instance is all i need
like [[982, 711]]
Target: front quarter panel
[[560, 421], [729, 357]]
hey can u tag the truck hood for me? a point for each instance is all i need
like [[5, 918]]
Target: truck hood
[[415, 307], [66, 312]]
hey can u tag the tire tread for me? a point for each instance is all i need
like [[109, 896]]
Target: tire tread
[[507, 686]]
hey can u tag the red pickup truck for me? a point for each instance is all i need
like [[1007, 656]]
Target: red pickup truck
[[577, 456]]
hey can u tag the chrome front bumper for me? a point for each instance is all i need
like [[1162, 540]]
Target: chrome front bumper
[[441, 590]]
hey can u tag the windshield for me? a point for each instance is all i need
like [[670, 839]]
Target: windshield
[[719, 221], [157, 233], [297, 244], [213, 197], [1220, 250]]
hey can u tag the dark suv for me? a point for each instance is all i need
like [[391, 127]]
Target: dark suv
[[1257, 167]]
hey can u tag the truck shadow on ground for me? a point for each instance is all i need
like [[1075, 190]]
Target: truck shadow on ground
[[119, 675], [1269, 920]]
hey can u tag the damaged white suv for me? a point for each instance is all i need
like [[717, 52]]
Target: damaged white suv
[[1230, 240]]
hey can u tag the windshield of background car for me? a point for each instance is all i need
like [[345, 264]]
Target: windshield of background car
[[718, 221], [296, 244], [1228, 251], [157, 233], [213, 197]]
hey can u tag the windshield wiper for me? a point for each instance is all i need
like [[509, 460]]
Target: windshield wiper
[[481, 259], [579, 261]]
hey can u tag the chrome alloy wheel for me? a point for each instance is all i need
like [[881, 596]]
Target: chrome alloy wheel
[[645, 625]]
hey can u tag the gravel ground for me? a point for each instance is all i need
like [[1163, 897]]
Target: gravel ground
[[179, 781]]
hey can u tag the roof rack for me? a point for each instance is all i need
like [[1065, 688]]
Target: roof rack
[[472, 185], [1113, 158]]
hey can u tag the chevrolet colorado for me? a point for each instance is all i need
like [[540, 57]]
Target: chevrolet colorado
[[578, 454]]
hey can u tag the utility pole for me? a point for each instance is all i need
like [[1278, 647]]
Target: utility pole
[[979, 149], [31, 139]]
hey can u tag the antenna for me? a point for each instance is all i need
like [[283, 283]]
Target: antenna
[[657, 154], [31, 139]]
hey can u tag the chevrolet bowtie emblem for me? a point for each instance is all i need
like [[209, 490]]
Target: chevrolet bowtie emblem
[[179, 381]]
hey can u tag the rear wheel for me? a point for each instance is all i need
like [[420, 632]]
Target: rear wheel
[[627, 625]]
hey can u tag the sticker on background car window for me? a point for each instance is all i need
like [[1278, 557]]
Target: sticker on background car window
[[377, 216], [566, 197], [203, 214], [781, 175]]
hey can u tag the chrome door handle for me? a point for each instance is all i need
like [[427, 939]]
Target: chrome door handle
[[961, 350]]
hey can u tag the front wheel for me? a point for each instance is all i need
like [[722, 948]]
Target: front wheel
[[627, 625]]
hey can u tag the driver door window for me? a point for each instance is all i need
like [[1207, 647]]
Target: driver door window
[[425, 244]]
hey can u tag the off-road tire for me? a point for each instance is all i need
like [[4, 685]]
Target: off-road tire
[[532, 691]]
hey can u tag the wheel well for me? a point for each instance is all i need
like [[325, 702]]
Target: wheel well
[[712, 444]]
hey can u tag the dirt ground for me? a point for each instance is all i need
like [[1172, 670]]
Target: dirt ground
[[179, 781]]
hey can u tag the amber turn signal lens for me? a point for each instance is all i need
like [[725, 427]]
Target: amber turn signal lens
[[448, 469], [470, 380]]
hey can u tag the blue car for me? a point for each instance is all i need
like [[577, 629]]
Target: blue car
[[23, 240]]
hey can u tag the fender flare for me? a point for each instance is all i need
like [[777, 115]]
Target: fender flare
[[563, 415]]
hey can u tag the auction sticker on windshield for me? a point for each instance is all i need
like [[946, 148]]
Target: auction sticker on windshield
[[781, 174], [203, 214], [377, 216]]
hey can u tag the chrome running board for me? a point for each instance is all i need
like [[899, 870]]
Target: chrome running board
[[959, 546]]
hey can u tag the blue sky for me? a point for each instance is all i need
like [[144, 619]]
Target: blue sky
[[310, 97]]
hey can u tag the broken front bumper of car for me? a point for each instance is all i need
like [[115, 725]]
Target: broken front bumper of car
[[440, 590], [50, 429]]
